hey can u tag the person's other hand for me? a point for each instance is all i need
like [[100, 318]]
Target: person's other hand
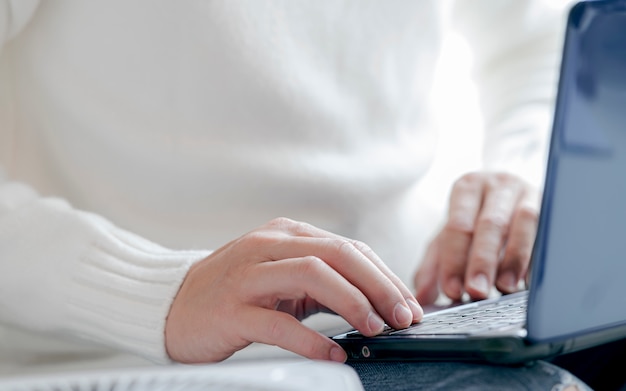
[[257, 288], [486, 240]]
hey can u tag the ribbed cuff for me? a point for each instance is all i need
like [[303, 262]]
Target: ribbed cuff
[[122, 290], [68, 272]]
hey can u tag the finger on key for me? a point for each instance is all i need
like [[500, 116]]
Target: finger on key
[[489, 236], [341, 255], [280, 329], [456, 238], [307, 230], [309, 276], [519, 243]]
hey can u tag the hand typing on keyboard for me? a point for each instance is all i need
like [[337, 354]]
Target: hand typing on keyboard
[[257, 288], [486, 241]]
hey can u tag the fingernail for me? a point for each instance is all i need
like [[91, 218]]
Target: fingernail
[[338, 354], [508, 281], [480, 283], [402, 314], [375, 323], [417, 310]]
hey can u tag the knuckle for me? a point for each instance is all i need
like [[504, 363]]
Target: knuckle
[[311, 266], [457, 225], [503, 177], [453, 250], [472, 177], [493, 222], [353, 249], [313, 349], [467, 181], [452, 263], [346, 247], [482, 260], [281, 223], [293, 227], [275, 329], [260, 239], [358, 308], [362, 247], [342, 247]]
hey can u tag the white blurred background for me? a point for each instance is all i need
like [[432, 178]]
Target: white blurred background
[[457, 114]]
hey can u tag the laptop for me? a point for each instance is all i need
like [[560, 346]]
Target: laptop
[[577, 290]]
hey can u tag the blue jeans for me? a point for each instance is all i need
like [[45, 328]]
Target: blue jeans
[[392, 376]]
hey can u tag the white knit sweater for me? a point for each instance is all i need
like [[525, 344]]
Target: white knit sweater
[[188, 123]]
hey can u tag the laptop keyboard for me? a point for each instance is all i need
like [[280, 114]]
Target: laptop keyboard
[[476, 318]]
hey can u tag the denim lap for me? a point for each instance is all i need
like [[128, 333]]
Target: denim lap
[[535, 376]]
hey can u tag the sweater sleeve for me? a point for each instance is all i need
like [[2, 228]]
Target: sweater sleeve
[[68, 272], [516, 49], [74, 273]]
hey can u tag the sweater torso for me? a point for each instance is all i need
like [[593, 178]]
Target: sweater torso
[[166, 118]]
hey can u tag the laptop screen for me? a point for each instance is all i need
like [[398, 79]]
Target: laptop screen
[[578, 281]]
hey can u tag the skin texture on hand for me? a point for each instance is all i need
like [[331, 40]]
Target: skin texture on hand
[[258, 287], [486, 241]]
